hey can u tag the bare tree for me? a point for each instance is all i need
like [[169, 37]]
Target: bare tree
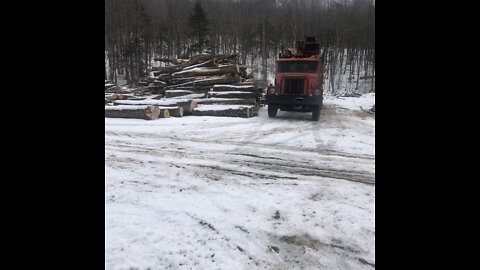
[[138, 30]]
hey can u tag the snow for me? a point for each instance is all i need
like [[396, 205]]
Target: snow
[[366, 101], [220, 107], [204, 192]]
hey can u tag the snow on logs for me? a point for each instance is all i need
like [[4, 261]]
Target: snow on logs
[[196, 59], [187, 105], [147, 112], [177, 93], [217, 82], [233, 94], [139, 112], [173, 111]]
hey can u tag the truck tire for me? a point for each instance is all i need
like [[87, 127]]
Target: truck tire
[[316, 113], [272, 111]]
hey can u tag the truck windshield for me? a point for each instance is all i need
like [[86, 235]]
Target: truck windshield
[[298, 67]]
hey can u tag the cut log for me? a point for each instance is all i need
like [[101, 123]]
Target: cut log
[[227, 101], [164, 113], [243, 72], [202, 88], [136, 98], [243, 88], [138, 112], [117, 97], [231, 69], [177, 93], [174, 111], [225, 79], [233, 94], [112, 89], [166, 60], [187, 105], [155, 89], [182, 81], [210, 63], [191, 96], [195, 60], [181, 61], [138, 91], [255, 111], [223, 111], [184, 88], [159, 83], [153, 81], [196, 89]]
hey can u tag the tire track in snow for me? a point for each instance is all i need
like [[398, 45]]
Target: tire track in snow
[[254, 165]]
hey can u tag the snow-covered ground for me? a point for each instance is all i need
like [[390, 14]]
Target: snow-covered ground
[[235, 193]]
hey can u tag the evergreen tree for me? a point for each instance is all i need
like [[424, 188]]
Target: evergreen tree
[[198, 25]]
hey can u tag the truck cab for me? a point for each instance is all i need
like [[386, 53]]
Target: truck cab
[[298, 81]]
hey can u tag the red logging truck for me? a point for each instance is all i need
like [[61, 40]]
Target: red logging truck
[[298, 80]]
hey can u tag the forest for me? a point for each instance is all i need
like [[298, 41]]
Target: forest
[[137, 31]]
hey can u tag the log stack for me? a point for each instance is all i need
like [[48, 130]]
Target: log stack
[[217, 83]]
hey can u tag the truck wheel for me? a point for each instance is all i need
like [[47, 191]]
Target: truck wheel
[[272, 111], [316, 113]]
